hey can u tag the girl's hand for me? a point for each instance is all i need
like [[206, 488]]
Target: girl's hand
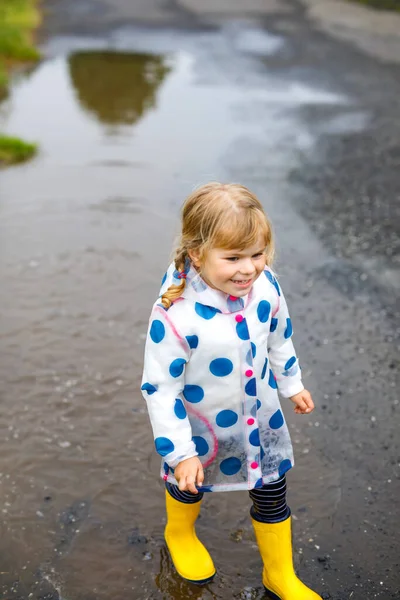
[[304, 403], [188, 473]]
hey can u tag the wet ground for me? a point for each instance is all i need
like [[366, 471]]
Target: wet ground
[[131, 110]]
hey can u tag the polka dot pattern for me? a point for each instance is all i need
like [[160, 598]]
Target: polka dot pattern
[[274, 324], [149, 388], [193, 393], [272, 381], [263, 311], [284, 466], [251, 354], [264, 369], [254, 438], [157, 331], [255, 408], [164, 446], [179, 409], [230, 466], [290, 363], [226, 418], [176, 367], [259, 483], [276, 421], [242, 330], [193, 341], [206, 312], [273, 280], [234, 304], [201, 445], [221, 367], [251, 388], [289, 329], [164, 279]]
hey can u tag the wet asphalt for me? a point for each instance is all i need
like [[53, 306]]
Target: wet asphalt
[[332, 185]]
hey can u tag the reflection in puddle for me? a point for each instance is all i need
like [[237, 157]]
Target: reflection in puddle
[[117, 87]]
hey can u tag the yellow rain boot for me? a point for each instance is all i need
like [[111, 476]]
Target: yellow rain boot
[[191, 559], [275, 544]]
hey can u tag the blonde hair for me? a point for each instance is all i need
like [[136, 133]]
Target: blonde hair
[[219, 215]]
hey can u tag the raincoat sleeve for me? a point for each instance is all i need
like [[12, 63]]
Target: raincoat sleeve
[[282, 355], [166, 355]]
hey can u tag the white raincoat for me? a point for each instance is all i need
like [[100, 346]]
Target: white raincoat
[[213, 364]]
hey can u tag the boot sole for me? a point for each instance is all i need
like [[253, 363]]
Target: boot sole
[[271, 594], [194, 581]]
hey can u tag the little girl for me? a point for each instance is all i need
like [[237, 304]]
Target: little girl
[[218, 351]]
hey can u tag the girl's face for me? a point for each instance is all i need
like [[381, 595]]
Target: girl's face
[[232, 271]]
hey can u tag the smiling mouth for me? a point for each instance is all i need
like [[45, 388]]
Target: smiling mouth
[[241, 281]]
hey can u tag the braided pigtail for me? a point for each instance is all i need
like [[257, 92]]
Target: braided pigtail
[[175, 291]]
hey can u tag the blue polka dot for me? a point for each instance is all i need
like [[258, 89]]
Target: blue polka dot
[[235, 305], [259, 483], [274, 282], [254, 438], [290, 363], [274, 324], [263, 310], [251, 389], [251, 354], [177, 366], [149, 388], [242, 331], [262, 453], [230, 466], [272, 381], [179, 409], [166, 468], [164, 279], [276, 420], [284, 466], [193, 393], [289, 329], [226, 418], [164, 446], [221, 367], [255, 408], [206, 312], [201, 445], [157, 331], [264, 370], [193, 341]]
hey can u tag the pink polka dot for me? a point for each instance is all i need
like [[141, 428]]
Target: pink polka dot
[[165, 477], [249, 373], [254, 465], [233, 298], [239, 318], [250, 421]]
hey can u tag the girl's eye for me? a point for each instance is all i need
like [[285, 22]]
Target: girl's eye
[[232, 258], [258, 255]]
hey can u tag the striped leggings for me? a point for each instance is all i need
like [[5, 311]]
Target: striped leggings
[[269, 501]]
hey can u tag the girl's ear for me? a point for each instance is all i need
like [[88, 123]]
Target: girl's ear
[[194, 256]]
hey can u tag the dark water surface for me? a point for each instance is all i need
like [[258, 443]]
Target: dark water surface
[[125, 131]]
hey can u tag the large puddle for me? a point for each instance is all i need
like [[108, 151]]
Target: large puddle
[[86, 230]]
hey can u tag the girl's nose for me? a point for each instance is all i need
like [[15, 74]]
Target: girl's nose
[[248, 268]]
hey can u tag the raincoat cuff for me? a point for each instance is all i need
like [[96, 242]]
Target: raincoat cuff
[[179, 455], [290, 390]]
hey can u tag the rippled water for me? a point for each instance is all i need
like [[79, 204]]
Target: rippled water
[[86, 230]]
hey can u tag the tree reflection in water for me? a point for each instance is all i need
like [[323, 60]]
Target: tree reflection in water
[[118, 87]]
